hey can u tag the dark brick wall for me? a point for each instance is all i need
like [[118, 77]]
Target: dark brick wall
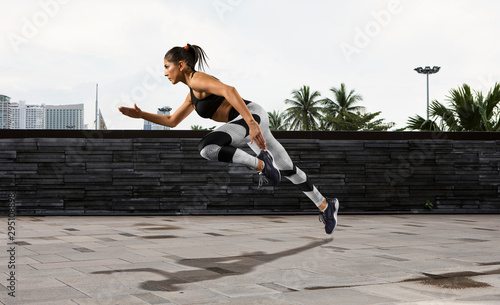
[[127, 172]]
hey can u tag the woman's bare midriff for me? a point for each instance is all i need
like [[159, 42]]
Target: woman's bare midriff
[[222, 113]]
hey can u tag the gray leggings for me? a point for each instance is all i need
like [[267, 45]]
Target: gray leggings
[[224, 143]]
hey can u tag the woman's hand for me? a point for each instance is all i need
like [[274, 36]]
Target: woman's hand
[[135, 112], [256, 135]]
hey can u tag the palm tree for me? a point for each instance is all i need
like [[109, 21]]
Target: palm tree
[[343, 103], [357, 121], [276, 121], [469, 111], [305, 111], [199, 127]]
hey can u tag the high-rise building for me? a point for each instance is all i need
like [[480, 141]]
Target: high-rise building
[[17, 115], [4, 112], [24, 116], [35, 116], [152, 126], [64, 117]]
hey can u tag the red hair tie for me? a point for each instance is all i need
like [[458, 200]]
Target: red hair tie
[[186, 47]]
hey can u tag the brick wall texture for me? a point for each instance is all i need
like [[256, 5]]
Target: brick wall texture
[[163, 173]]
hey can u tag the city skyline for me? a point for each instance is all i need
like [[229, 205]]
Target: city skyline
[[20, 115]]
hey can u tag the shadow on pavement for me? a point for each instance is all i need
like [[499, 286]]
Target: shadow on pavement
[[213, 268]]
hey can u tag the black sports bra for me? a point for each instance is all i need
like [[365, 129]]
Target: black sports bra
[[206, 107]]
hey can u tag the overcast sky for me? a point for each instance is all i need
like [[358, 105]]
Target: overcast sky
[[55, 51]]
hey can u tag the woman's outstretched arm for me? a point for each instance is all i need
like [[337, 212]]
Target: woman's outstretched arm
[[166, 120]]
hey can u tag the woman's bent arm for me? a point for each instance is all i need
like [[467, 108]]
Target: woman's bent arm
[[205, 83]]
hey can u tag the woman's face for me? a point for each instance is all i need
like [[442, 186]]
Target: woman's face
[[172, 71]]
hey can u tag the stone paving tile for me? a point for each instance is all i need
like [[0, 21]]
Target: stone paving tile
[[47, 294], [49, 258], [151, 298], [383, 259], [234, 291], [149, 254], [76, 238], [49, 273], [252, 300], [397, 292], [59, 248], [335, 296], [83, 263], [299, 279], [26, 260], [111, 300], [240, 279], [109, 290], [147, 268], [192, 296], [116, 280], [453, 302], [62, 302], [39, 283], [344, 269]]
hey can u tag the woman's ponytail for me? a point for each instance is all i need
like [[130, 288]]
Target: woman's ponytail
[[192, 54]]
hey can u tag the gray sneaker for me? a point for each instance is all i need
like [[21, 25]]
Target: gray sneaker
[[329, 216], [270, 174]]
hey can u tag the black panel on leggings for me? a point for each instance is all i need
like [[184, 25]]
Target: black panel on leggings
[[233, 114], [215, 137], [305, 186], [242, 122], [226, 154]]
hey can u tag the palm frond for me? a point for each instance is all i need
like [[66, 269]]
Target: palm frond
[[447, 116], [305, 111], [344, 102], [419, 123]]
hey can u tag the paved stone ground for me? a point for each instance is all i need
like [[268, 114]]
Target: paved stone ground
[[389, 259]]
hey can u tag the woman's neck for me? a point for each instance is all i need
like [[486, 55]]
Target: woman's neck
[[188, 73]]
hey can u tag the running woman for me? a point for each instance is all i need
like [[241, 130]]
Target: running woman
[[246, 123]]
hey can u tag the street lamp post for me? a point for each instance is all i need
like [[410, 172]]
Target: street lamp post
[[428, 70]]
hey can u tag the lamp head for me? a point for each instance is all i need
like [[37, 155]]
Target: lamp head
[[427, 70]]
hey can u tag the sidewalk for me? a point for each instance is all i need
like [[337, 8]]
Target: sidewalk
[[387, 259]]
